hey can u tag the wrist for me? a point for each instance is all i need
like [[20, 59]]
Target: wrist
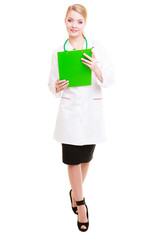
[[98, 74]]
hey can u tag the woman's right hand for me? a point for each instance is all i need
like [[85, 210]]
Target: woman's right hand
[[61, 85]]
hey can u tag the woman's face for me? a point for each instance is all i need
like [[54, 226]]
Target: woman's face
[[75, 23]]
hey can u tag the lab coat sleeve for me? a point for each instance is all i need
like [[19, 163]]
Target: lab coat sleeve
[[54, 75], [105, 64]]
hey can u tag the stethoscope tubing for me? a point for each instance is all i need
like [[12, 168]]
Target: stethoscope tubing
[[67, 41]]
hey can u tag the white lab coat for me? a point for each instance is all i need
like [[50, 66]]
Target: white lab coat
[[80, 118]]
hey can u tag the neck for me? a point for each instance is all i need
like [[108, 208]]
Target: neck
[[76, 42]]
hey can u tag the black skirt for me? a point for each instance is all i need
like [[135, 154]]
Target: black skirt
[[74, 154]]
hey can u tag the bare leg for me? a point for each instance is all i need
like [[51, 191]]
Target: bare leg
[[84, 170], [75, 177]]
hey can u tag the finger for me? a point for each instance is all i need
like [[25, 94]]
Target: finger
[[89, 65], [64, 87], [87, 56], [85, 60], [63, 84], [61, 87], [62, 81]]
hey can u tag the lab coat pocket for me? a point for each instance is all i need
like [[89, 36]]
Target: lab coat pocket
[[65, 98], [66, 106], [98, 107]]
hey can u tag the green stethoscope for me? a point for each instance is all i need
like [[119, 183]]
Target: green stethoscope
[[74, 48]]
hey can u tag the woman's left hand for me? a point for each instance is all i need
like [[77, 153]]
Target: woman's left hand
[[91, 63]]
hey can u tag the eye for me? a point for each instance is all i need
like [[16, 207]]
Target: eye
[[69, 20], [80, 22]]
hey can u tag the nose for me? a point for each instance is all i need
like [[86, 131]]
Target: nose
[[74, 25]]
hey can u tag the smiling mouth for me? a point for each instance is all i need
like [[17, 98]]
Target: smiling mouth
[[73, 30]]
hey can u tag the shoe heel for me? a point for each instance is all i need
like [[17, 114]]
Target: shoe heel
[[73, 208]]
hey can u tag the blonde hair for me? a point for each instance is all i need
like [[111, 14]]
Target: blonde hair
[[80, 9]]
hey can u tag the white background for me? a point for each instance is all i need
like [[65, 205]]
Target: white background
[[122, 186]]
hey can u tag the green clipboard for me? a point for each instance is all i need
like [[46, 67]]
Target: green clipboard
[[72, 69]]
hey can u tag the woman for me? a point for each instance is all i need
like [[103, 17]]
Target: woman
[[80, 124]]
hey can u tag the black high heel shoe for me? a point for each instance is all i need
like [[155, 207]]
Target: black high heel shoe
[[73, 208], [80, 224]]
